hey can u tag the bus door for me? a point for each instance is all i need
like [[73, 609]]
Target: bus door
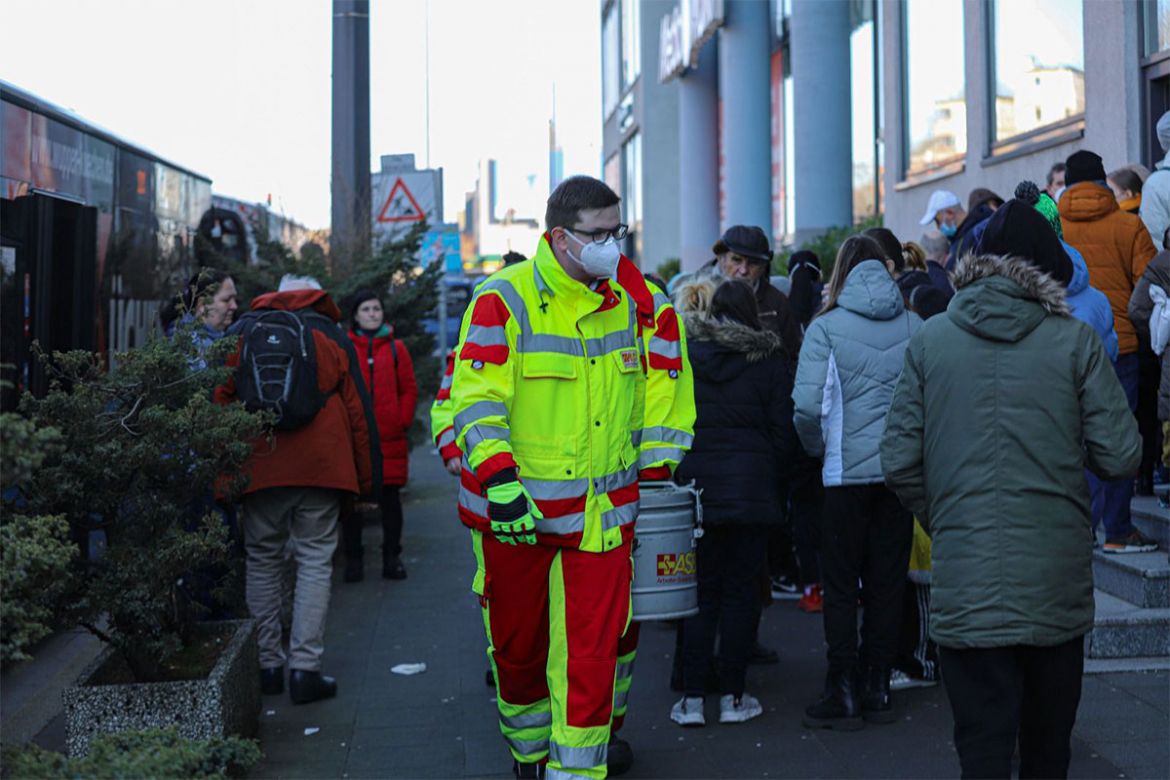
[[49, 294]]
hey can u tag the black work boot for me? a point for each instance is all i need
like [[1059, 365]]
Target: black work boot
[[839, 707], [392, 568], [523, 771], [875, 698], [305, 686], [619, 757], [272, 681]]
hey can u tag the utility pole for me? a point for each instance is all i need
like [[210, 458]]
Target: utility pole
[[350, 181], [427, 82]]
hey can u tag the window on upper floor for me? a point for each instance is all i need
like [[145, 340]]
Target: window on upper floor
[[1037, 64], [631, 41], [934, 107]]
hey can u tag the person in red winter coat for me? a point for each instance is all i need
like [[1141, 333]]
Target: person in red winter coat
[[389, 376]]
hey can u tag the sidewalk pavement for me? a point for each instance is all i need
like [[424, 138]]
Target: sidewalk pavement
[[442, 723]]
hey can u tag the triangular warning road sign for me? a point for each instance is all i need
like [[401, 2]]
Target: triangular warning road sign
[[400, 205]]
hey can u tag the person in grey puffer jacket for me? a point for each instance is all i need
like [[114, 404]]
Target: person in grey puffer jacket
[[849, 364]]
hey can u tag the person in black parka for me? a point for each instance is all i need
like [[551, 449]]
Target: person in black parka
[[744, 443]]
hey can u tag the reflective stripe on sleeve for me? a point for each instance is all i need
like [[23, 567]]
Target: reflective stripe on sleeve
[[655, 454], [487, 336], [664, 434], [478, 411], [446, 438], [667, 349], [476, 504], [476, 434]]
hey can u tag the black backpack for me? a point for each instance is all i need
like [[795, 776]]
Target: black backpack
[[278, 368]]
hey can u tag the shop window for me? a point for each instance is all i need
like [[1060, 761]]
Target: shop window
[[933, 88], [1038, 78]]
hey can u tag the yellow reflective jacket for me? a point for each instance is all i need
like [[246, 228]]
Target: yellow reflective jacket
[[668, 425], [549, 379], [442, 416]]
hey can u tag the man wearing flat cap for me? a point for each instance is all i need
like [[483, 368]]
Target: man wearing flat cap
[[743, 253]]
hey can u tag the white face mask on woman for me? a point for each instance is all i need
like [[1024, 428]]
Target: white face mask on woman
[[600, 260]]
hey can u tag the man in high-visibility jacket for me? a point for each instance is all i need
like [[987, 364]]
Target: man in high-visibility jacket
[[549, 396]]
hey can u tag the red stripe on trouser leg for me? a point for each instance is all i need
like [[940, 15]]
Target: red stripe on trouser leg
[[626, 645], [597, 602], [518, 616]]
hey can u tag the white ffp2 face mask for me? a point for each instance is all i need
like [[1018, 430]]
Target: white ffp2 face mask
[[600, 260]]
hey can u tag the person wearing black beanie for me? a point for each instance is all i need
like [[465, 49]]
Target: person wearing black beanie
[[1018, 230], [1084, 166]]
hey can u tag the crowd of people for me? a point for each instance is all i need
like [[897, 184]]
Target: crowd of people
[[342, 393], [974, 401], [922, 440]]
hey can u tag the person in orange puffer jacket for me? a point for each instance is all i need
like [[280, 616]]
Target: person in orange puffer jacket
[[388, 372], [1116, 247]]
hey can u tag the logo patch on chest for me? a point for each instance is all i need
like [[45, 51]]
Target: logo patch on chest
[[629, 358]]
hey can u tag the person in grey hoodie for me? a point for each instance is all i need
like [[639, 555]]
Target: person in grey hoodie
[[849, 364], [1156, 190]]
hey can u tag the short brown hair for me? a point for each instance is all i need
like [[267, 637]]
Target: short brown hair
[[574, 195], [1127, 179]]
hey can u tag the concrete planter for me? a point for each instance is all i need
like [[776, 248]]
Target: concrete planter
[[226, 702]]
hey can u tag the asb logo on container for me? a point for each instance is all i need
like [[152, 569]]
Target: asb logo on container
[[676, 565]]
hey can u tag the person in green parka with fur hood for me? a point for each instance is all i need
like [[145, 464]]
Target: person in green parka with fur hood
[[1002, 404]]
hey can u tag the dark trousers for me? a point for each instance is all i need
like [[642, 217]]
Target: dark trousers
[[999, 693], [866, 535], [729, 561], [351, 526], [1149, 375], [804, 501], [917, 652]]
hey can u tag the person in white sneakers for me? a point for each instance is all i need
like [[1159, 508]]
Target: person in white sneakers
[[744, 442]]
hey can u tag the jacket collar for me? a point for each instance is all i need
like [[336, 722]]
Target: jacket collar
[[1036, 284], [552, 282]]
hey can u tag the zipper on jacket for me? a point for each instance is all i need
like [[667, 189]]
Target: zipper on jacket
[[370, 363]]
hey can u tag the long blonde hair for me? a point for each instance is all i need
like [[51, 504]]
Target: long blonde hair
[[854, 251]]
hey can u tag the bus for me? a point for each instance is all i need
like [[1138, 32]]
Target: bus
[[95, 232]]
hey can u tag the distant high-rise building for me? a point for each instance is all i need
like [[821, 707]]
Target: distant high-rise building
[[556, 155]]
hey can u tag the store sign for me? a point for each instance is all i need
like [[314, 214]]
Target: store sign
[[671, 60], [683, 33]]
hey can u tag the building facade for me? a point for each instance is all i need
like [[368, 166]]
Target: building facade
[[800, 115]]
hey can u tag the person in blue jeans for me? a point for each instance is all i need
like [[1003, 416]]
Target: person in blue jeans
[[1116, 248]]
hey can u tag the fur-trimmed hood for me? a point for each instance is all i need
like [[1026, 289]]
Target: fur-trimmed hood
[[755, 345], [1004, 298]]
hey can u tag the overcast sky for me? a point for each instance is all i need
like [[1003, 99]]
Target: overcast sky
[[239, 90]]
